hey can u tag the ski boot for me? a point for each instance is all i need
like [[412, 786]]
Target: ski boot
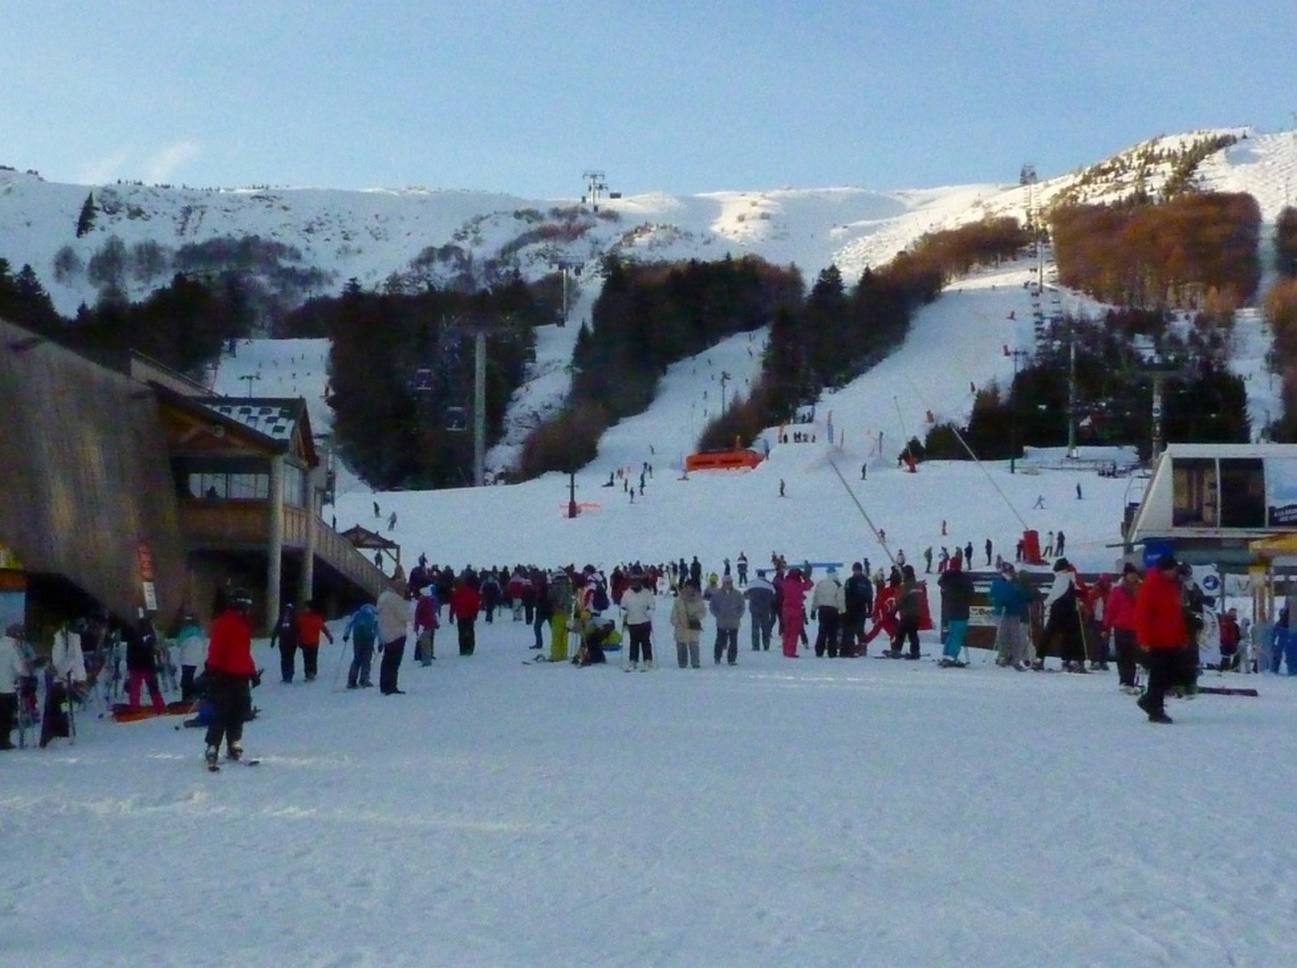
[[212, 756], [234, 752]]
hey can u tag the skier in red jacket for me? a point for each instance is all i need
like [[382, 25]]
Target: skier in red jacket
[[229, 676], [465, 603], [1160, 629]]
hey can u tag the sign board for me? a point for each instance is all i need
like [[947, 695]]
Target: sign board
[[13, 597], [1280, 492]]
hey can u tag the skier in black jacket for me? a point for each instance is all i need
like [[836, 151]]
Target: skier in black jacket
[[858, 594]]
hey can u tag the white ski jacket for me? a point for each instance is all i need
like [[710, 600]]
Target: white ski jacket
[[829, 594], [637, 606], [66, 657], [12, 665]]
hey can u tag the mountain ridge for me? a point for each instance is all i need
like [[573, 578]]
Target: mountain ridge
[[432, 235]]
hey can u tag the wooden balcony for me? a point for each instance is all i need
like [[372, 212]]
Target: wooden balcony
[[245, 526]]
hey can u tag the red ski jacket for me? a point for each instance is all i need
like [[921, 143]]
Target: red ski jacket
[[230, 649], [1159, 617]]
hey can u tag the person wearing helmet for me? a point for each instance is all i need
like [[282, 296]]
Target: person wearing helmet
[[230, 675]]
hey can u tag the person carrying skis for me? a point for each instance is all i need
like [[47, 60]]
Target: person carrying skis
[[65, 679], [229, 678], [363, 624]]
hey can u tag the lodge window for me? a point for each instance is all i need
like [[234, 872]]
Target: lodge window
[[229, 487], [1196, 500], [1242, 493], [295, 486], [1229, 493]]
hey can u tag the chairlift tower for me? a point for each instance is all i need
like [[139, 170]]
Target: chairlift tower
[[480, 330], [596, 184], [566, 266], [1031, 181]]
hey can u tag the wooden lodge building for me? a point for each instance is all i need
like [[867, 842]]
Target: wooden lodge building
[[141, 490]]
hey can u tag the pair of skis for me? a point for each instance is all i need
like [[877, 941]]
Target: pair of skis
[[215, 767]]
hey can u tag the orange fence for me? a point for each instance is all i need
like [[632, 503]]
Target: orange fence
[[722, 460]]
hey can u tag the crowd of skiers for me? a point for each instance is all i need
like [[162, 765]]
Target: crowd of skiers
[[89, 653], [1150, 621]]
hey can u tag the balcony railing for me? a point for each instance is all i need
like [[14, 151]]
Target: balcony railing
[[237, 525]]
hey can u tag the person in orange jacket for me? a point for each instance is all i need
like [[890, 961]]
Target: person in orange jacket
[[1160, 629], [310, 626], [229, 677]]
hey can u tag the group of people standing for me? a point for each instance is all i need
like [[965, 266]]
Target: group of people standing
[[1151, 620]]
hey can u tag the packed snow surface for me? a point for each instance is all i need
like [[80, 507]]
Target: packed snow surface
[[808, 811]]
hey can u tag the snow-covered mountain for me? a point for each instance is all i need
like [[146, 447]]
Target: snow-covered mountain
[[955, 346], [371, 235]]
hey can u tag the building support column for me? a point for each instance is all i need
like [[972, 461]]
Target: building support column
[[307, 589], [275, 545]]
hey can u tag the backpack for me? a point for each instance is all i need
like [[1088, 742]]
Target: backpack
[[365, 625], [600, 600]]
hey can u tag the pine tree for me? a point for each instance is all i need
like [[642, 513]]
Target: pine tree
[[86, 220]]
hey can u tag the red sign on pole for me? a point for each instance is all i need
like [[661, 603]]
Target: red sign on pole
[[146, 562]]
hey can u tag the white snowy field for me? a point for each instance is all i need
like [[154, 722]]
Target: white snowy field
[[782, 812]]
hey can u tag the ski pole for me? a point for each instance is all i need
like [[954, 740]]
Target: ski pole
[[342, 655], [72, 723]]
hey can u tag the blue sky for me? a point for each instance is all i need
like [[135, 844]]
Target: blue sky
[[522, 97]]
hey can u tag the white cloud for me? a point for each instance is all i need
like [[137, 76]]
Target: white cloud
[[160, 166]]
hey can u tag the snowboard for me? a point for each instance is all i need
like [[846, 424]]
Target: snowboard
[[1229, 691], [125, 713]]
